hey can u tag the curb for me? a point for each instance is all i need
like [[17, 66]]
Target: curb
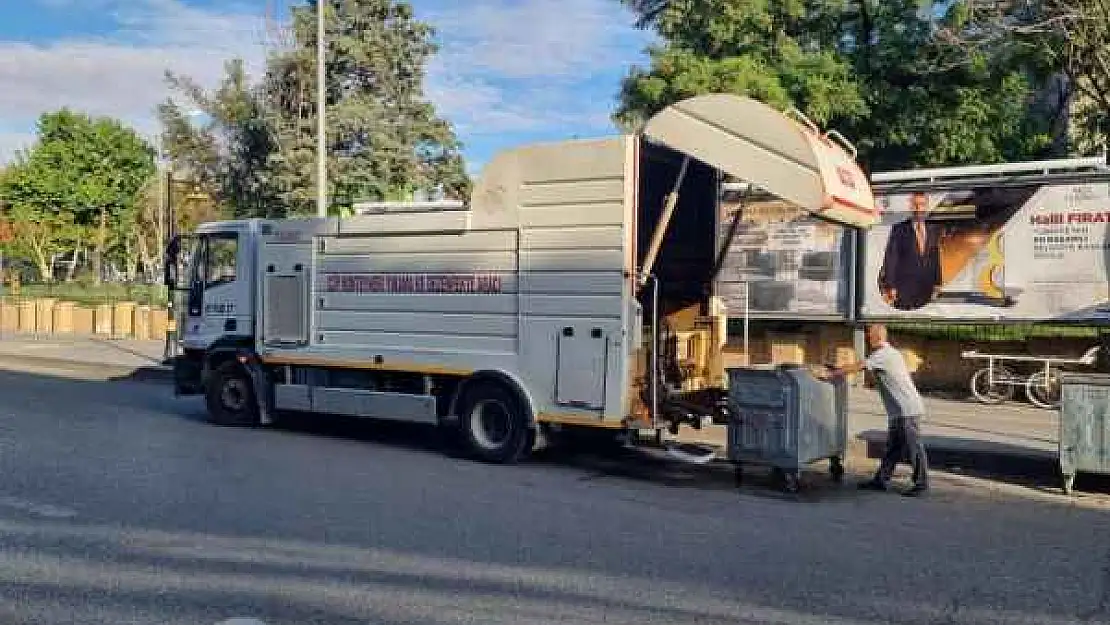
[[865, 450]]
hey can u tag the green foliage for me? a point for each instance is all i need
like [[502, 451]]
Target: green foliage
[[994, 332], [1068, 38], [876, 70], [772, 51], [78, 186], [257, 153]]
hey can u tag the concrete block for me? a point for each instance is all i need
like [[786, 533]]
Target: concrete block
[[123, 319], [83, 321], [63, 317], [44, 316], [158, 324], [142, 323], [9, 317], [27, 321], [102, 320]]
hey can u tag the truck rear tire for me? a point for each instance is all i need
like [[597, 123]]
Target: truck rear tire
[[493, 423], [230, 397]]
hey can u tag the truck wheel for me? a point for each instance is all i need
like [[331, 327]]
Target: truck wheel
[[493, 423], [230, 397]]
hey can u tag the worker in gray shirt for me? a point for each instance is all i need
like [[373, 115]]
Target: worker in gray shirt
[[904, 409]]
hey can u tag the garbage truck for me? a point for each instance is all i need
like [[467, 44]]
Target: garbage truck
[[573, 288]]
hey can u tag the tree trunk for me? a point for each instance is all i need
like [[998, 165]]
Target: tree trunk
[[101, 240], [72, 271], [42, 263]]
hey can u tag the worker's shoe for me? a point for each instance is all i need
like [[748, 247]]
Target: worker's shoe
[[872, 484]]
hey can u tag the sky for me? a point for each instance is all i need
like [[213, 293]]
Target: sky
[[508, 71]]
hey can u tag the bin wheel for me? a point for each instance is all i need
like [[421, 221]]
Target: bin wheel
[[1069, 483], [791, 484], [836, 469], [787, 480], [738, 475]]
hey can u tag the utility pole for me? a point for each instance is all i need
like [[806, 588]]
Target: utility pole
[[169, 350], [321, 114]]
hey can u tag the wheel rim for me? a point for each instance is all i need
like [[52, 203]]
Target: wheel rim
[[491, 423], [990, 392], [1044, 391], [233, 395]]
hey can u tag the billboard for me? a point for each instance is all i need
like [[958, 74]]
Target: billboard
[[1023, 253], [793, 265]]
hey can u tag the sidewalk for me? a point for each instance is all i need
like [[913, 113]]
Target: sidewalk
[[119, 358], [1012, 439]]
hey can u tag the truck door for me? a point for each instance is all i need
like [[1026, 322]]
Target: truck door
[[582, 356], [218, 305]]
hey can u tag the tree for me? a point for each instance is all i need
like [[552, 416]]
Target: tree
[[257, 154], [927, 111], [77, 186], [1070, 37], [781, 53], [868, 67], [32, 201]]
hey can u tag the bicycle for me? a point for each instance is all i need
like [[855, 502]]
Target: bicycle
[[995, 383]]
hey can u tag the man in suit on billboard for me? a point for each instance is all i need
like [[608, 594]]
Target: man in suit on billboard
[[910, 276]]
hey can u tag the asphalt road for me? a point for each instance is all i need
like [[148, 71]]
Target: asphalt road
[[119, 505]]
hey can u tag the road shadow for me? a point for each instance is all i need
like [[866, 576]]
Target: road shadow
[[1000, 462], [596, 456], [120, 347]]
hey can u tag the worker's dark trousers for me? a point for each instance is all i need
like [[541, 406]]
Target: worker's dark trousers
[[904, 443]]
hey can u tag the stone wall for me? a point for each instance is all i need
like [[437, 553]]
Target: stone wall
[[52, 317]]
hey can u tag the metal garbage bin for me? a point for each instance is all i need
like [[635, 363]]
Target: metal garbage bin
[[786, 418], [1084, 425]]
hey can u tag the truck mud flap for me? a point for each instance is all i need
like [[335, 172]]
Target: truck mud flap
[[262, 389], [187, 372]]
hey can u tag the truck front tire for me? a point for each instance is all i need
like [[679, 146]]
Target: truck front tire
[[493, 423], [230, 397]]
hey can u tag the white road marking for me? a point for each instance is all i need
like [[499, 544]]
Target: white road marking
[[38, 509]]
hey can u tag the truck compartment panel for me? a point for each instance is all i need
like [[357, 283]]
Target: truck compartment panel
[[578, 283], [388, 302], [572, 260], [403, 284], [439, 323], [599, 306], [443, 262], [607, 213], [481, 241], [370, 341], [577, 237], [374, 405], [295, 397], [564, 192]]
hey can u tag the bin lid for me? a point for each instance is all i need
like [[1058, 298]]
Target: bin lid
[[1089, 379], [790, 158]]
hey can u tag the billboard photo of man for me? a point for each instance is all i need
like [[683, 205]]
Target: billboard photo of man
[[911, 271]]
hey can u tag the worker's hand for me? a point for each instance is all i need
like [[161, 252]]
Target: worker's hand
[[889, 295]]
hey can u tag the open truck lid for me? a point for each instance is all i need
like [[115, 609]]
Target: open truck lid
[[789, 158]]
